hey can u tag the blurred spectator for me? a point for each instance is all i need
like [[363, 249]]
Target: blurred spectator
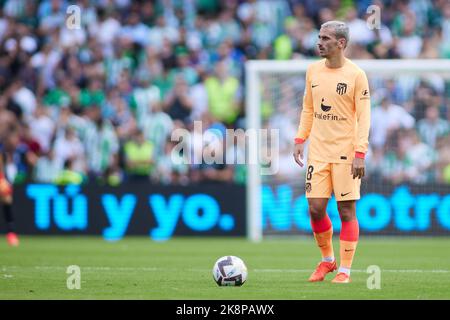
[[113, 175], [443, 161], [45, 62], [396, 165], [218, 171], [285, 44], [171, 166], [236, 153], [139, 155], [107, 28], [23, 97], [68, 175], [178, 103], [60, 94], [137, 31], [432, 127], [100, 143], [308, 37], [223, 94], [69, 146], [230, 27], [165, 81], [423, 158], [42, 128], [408, 44], [93, 95], [30, 141], [46, 169], [199, 97], [52, 15], [359, 33], [411, 161], [123, 119], [431, 46], [445, 25], [157, 126], [385, 119], [162, 31], [145, 97]]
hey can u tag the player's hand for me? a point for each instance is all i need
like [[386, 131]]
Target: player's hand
[[298, 153], [358, 168]]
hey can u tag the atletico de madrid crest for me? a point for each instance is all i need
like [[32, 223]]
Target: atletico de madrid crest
[[308, 187], [341, 88]]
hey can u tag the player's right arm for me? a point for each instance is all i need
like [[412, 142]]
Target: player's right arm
[[306, 121]]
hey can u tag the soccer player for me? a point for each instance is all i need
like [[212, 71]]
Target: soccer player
[[336, 119], [6, 199]]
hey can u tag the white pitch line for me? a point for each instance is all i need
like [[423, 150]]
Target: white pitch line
[[156, 269]]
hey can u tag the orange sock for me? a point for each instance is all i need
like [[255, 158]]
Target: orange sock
[[323, 233], [349, 240]]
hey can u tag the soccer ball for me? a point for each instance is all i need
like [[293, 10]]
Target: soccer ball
[[230, 271]]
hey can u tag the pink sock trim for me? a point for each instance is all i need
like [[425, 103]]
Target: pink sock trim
[[319, 226], [350, 230]]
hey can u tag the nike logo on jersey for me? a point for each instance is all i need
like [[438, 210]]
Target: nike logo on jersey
[[314, 85], [349, 250], [344, 194]]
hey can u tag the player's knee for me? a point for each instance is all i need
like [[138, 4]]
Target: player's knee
[[347, 210], [317, 211]]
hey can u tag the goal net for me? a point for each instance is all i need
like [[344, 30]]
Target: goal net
[[406, 190]]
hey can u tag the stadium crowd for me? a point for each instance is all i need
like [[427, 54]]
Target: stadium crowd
[[99, 102]]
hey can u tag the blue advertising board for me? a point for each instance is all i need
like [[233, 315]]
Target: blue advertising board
[[159, 211], [382, 209], [162, 212]]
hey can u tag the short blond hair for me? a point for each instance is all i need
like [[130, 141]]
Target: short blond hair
[[340, 29]]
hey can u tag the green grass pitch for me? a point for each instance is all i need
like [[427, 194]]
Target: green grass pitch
[[181, 268]]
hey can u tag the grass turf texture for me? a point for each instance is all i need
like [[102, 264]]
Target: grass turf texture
[[138, 268]]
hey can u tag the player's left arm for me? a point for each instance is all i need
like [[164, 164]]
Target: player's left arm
[[362, 108]]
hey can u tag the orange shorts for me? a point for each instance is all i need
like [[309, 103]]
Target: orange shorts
[[322, 178]]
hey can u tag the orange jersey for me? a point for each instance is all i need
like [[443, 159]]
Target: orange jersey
[[336, 112]]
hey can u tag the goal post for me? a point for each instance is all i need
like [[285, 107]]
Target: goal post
[[267, 78], [253, 188]]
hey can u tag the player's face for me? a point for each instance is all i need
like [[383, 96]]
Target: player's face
[[327, 44]]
